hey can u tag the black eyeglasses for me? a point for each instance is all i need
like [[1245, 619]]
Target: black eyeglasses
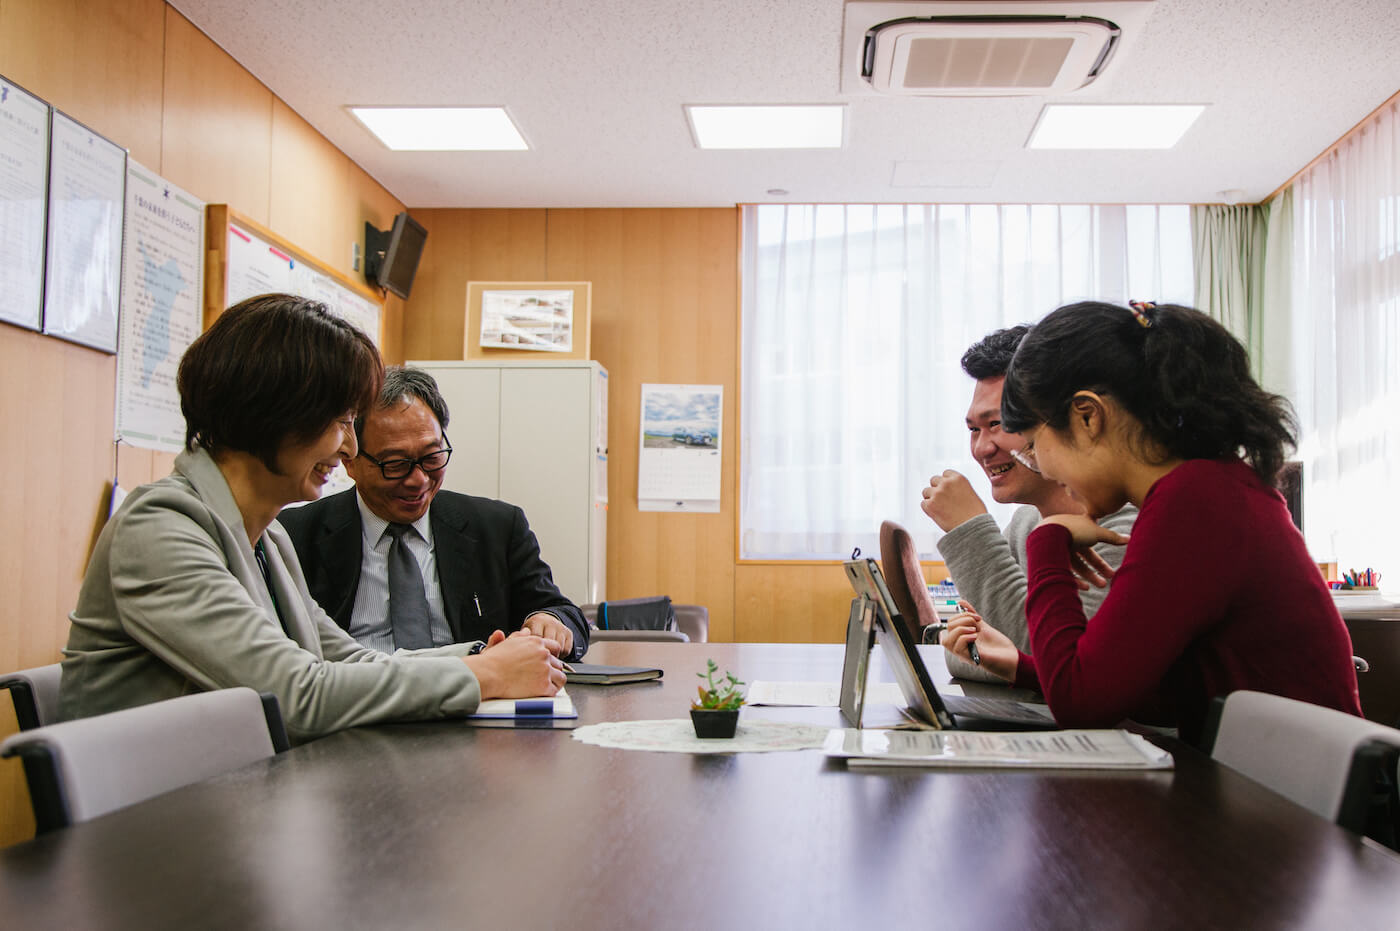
[[403, 468]]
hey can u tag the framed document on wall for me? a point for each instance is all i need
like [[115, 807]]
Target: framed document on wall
[[87, 193], [24, 175], [527, 320]]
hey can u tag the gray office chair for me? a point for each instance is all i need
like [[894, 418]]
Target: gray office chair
[[1334, 764], [78, 770], [651, 636], [34, 693], [692, 622]]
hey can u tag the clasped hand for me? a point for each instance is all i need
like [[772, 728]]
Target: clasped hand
[[522, 665]]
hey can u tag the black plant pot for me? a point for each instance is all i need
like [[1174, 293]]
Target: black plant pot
[[710, 722]]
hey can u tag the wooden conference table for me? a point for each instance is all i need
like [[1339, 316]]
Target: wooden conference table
[[448, 826]]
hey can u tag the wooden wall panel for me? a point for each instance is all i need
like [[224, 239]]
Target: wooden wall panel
[[140, 73], [466, 245], [56, 402], [99, 63], [663, 312], [309, 178], [217, 128], [791, 603]]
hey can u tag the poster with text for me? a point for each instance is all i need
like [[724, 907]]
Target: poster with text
[[82, 279], [24, 174], [161, 314], [678, 465]]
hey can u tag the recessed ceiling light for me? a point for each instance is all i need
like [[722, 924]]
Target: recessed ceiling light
[[1112, 126], [442, 129], [768, 127]]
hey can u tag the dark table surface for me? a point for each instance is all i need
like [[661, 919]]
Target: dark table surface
[[448, 826]]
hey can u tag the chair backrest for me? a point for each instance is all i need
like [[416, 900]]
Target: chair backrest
[[35, 694], [1334, 764], [899, 559], [653, 636], [694, 622], [691, 620], [78, 770]]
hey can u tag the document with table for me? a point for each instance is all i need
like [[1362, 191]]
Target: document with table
[[1075, 749]]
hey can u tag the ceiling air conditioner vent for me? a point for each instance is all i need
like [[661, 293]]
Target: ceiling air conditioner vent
[[987, 56]]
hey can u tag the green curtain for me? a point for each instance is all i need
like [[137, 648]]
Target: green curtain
[[1272, 355], [1229, 246], [1244, 269]]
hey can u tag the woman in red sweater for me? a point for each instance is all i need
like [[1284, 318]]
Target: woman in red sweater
[[1155, 405]]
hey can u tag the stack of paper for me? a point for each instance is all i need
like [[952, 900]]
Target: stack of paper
[[1083, 749]]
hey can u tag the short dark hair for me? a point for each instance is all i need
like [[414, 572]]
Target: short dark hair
[[1179, 373], [990, 356], [402, 383], [274, 369]]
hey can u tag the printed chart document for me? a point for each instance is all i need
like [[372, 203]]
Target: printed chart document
[[1077, 749], [560, 706]]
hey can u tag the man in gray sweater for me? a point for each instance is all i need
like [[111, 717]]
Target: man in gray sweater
[[988, 564]]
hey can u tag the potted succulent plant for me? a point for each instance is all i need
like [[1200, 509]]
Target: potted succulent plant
[[715, 711]]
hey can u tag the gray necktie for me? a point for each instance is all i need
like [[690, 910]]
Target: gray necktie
[[408, 605]]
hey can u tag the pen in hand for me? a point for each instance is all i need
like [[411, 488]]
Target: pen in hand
[[971, 644]]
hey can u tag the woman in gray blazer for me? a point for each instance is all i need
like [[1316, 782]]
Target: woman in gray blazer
[[194, 586]]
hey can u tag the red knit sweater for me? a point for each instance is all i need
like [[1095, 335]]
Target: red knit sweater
[[1216, 592]]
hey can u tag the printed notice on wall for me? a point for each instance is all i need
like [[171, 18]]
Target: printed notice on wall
[[87, 181], [24, 173], [678, 465], [162, 289]]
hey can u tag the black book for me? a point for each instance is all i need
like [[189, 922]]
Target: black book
[[593, 674]]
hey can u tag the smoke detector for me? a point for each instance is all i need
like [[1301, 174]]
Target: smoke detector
[[984, 49]]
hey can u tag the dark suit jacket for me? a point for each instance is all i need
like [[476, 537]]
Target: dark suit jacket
[[485, 552]]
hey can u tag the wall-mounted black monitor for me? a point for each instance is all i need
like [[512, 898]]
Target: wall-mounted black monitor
[[391, 256], [1290, 485]]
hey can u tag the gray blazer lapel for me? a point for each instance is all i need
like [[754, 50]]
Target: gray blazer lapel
[[203, 473]]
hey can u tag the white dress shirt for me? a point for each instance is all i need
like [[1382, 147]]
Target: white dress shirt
[[369, 621]]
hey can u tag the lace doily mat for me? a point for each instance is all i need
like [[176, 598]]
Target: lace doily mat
[[678, 736]]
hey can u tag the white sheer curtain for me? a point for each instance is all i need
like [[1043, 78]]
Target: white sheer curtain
[[1346, 338], [854, 319]]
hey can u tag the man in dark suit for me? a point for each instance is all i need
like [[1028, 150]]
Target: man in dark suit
[[478, 562]]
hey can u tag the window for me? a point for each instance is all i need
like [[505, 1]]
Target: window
[[1346, 342], [854, 319]]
